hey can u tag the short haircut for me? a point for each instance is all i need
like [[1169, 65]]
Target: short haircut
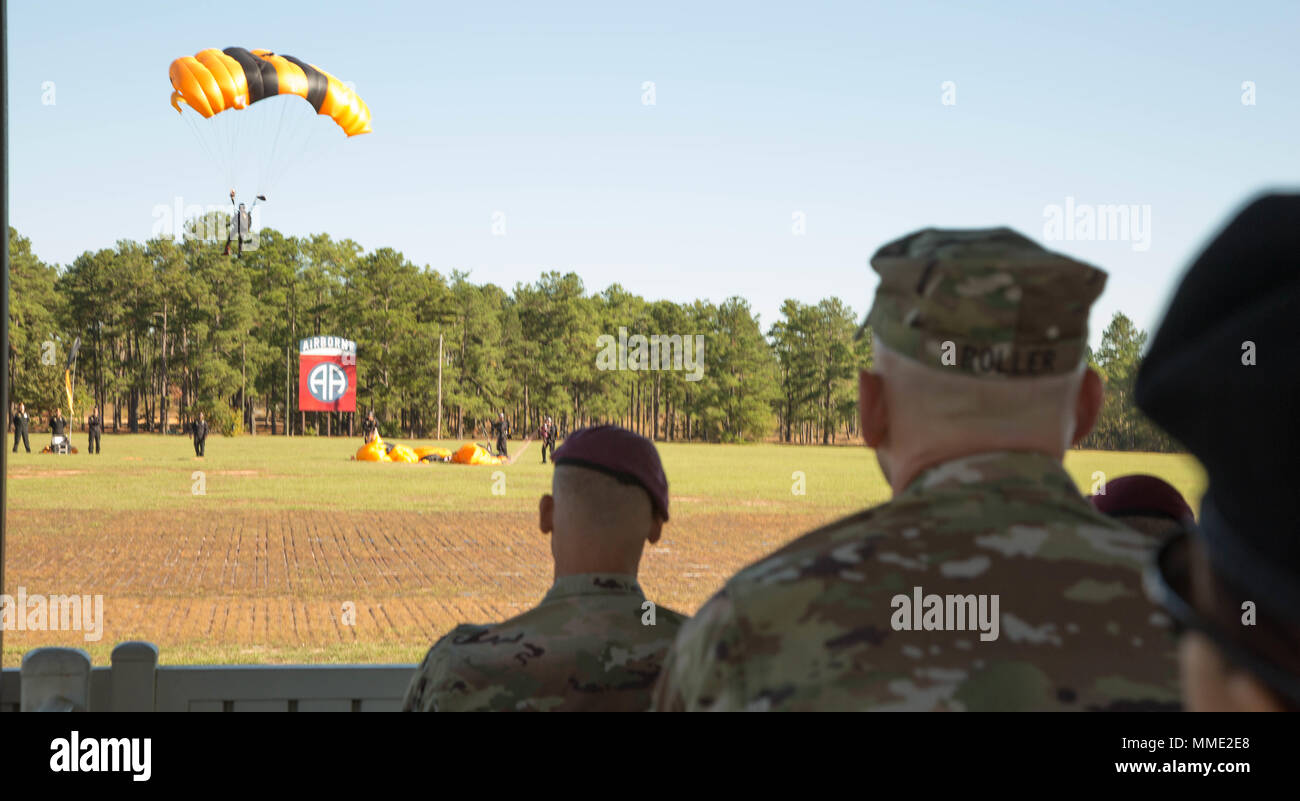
[[590, 500]]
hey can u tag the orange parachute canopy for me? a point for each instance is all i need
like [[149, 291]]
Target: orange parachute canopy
[[373, 451], [469, 453], [401, 453], [213, 81]]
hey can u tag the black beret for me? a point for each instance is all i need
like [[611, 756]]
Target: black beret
[[1240, 303]]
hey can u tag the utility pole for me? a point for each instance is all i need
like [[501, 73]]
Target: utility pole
[[439, 386], [4, 275], [288, 418]]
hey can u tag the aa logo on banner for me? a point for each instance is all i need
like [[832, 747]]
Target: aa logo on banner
[[327, 374]]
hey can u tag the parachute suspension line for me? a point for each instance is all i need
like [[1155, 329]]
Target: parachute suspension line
[[198, 136], [208, 134], [269, 171], [244, 130], [318, 141]]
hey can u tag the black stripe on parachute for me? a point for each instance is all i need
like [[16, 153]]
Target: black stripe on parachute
[[317, 83], [261, 76]]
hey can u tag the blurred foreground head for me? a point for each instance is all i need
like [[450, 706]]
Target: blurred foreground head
[[609, 496], [1223, 378], [979, 342], [1146, 503]]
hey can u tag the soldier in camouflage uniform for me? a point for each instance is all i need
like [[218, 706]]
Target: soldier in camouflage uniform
[[594, 643], [988, 582]]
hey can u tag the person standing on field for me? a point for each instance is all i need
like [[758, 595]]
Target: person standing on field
[[58, 424], [58, 439], [369, 427], [94, 428], [547, 435], [502, 429], [200, 434], [988, 582], [22, 422]]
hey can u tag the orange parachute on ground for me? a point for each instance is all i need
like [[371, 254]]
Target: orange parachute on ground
[[379, 451], [469, 453], [433, 454], [373, 451], [403, 454]]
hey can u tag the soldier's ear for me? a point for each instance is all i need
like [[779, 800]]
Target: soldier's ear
[[872, 413], [656, 528], [546, 514], [1091, 394]]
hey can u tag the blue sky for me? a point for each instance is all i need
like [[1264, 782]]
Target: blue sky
[[761, 111]]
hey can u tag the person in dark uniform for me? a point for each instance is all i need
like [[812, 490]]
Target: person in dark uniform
[[369, 427], [58, 438], [200, 429], [547, 435], [501, 428], [94, 428], [21, 423], [241, 225]]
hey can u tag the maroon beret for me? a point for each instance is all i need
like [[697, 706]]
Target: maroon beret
[[1142, 495], [625, 455]]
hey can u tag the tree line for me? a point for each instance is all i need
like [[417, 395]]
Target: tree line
[[170, 328]]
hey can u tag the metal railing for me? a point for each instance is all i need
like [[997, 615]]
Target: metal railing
[[62, 679]]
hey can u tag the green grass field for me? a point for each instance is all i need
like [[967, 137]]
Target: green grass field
[[144, 471], [249, 554]]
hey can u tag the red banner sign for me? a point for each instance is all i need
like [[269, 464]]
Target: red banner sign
[[327, 375]]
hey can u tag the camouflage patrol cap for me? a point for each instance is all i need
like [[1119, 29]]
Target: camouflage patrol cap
[[989, 303]]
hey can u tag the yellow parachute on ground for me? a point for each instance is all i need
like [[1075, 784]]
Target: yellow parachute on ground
[[433, 454], [378, 451], [213, 81], [373, 451], [469, 453], [403, 454]]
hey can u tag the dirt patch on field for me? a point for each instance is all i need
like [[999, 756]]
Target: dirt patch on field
[[45, 473], [256, 582]]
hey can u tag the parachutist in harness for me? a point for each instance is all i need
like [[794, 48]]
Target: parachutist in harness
[[241, 225], [369, 427], [501, 429]]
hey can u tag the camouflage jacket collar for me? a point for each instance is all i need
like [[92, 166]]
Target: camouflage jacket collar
[[594, 584], [1033, 468]]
